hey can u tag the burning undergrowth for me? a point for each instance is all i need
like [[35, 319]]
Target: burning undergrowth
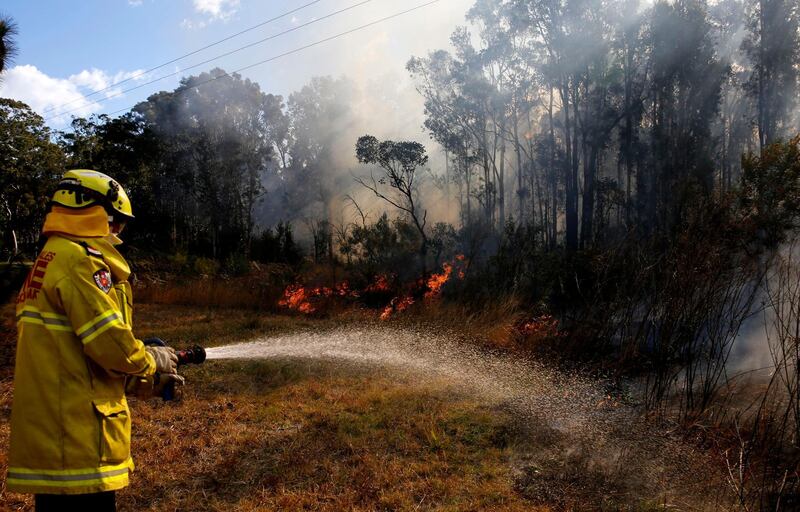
[[384, 291], [389, 296]]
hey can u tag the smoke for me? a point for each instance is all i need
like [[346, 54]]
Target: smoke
[[386, 106], [375, 95], [765, 335], [750, 350]]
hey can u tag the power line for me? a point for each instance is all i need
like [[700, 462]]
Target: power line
[[297, 50], [217, 57], [137, 75]]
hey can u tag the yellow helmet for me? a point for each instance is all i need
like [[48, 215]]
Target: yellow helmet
[[81, 188]]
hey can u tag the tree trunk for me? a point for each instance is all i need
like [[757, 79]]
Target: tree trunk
[[501, 179], [589, 178], [552, 176], [521, 192], [571, 182]]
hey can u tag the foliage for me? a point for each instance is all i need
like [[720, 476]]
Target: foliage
[[8, 46], [400, 163], [215, 149], [30, 165], [773, 46], [771, 190], [545, 106], [384, 247], [276, 246]]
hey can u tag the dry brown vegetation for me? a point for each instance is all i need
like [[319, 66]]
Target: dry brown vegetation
[[291, 435], [299, 435]]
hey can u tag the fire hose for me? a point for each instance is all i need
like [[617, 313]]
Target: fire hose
[[194, 355]]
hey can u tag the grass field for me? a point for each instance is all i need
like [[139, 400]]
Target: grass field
[[293, 435], [302, 434]]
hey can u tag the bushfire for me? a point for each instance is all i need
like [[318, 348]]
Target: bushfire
[[397, 305], [307, 300], [541, 327]]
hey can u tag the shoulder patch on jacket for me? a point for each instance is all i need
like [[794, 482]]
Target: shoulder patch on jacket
[[103, 280]]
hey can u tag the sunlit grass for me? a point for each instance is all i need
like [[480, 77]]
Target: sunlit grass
[[290, 435], [309, 435]]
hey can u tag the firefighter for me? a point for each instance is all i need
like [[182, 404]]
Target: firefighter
[[70, 423]]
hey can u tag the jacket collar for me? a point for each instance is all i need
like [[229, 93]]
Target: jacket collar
[[89, 226], [85, 223]]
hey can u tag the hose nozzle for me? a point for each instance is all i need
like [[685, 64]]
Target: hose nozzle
[[194, 355]]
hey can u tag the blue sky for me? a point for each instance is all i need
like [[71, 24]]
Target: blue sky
[[70, 48]]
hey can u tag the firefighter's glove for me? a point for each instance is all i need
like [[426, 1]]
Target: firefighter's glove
[[163, 381], [166, 380], [166, 359]]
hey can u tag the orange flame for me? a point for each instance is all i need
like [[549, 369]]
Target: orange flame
[[306, 300], [397, 305], [541, 327], [300, 298], [381, 284], [461, 261], [295, 297], [436, 281]]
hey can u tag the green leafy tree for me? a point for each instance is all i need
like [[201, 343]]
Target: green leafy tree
[[127, 149], [30, 166], [398, 185], [214, 134], [770, 191]]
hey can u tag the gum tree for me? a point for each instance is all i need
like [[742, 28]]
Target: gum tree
[[399, 163]]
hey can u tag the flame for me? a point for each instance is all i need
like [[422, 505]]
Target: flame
[[397, 305], [343, 290], [296, 297], [381, 284], [436, 281], [306, 300], [300, 298], [541, 327], [461, 261]]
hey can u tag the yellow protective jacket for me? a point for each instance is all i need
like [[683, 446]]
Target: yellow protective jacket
[[70, 423]]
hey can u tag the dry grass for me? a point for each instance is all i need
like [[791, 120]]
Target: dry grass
[[497, 324], [243, 293], [300, 435], [293, 435]]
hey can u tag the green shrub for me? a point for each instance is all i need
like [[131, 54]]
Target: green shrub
[[206, 266]]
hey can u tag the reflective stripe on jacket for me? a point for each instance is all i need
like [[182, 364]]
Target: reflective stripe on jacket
[[70, 423]]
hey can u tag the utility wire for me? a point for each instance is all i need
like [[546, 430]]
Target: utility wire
[[176, 59], [217, 57], [297, 50]]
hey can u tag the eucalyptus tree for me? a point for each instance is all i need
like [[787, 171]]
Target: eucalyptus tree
[[213, 128], [450, 121], [398, 183], [684, 99], [30, 165], [773, 45]]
